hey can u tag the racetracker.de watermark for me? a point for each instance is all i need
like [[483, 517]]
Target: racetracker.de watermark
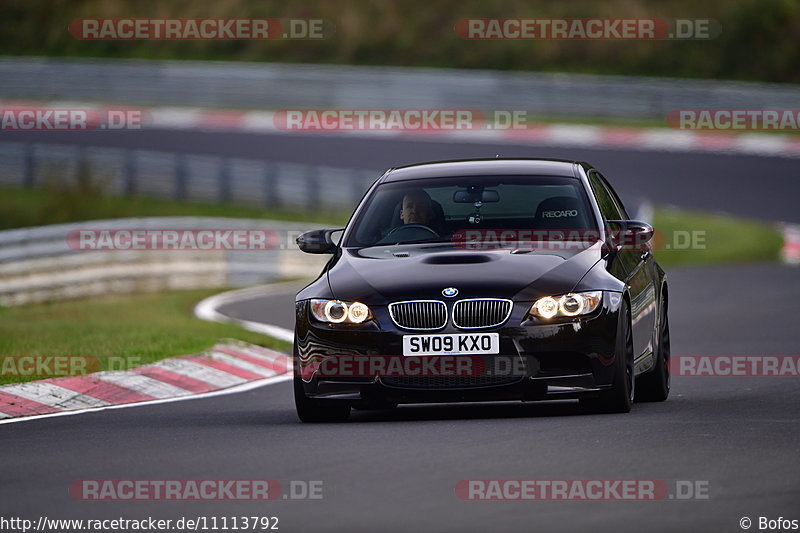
[[734, 119], [47, 366], [581, 490], [26, 118], [735, 365], [379, 119], [53, 366], [194, 490], [93, 239], [575, 239], [180, 29], [451, 364], [582, 29]]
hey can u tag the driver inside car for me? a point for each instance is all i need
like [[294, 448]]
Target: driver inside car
[[416, 208], [417, 218]]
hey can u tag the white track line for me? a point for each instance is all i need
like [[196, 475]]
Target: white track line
[[207, 309]]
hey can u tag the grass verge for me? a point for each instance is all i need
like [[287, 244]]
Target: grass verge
[[698, 238], [120, 331], [56, 205]]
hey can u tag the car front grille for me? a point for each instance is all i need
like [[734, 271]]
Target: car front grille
[[419, 314], [481, 312]]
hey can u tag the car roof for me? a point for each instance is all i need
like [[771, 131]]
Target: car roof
[[479, 167]]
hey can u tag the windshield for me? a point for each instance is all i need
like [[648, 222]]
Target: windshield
[[444, 209]]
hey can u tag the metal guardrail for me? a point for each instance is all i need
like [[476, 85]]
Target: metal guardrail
[[37, 264], [202, 178], [277, 86]]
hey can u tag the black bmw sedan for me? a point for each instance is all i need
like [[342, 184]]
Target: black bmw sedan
[[483, 280]]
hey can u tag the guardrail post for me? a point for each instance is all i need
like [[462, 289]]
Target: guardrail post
[[312, 188], [83, 172], [180, 176], [224, 194], [29, 167], [129, 173], [358, 189], [271, 192]]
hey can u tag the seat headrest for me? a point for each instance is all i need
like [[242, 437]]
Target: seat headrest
[[563, 212]]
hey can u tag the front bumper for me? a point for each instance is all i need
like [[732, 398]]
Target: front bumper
[[537, 361]]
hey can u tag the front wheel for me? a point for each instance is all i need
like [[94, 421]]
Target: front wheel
[[314, 410], [654, 386], [619, 398]]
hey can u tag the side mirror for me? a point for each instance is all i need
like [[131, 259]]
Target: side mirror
[[317, 241], [631, 234]]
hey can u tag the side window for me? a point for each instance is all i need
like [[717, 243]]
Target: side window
[[614, 194], [608, 207]]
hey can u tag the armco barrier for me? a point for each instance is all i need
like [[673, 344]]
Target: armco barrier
[[37, 264], [277, 86], [190, 177]]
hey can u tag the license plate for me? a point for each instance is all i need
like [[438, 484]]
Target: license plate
[[451, 343]]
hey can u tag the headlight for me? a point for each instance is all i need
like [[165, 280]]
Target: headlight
[[572, 304], [337, 311]]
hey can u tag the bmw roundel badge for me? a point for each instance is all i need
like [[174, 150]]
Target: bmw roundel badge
[[449, 292]]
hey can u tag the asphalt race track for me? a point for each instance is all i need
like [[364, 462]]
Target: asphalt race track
[[397, 470], [746, 185]]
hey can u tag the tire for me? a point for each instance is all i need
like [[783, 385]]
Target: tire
[[314, 410], [654, 386], [619, 398]]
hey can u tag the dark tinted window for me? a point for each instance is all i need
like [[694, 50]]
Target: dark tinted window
[[608, 206], [614, 195], [517, 202]]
